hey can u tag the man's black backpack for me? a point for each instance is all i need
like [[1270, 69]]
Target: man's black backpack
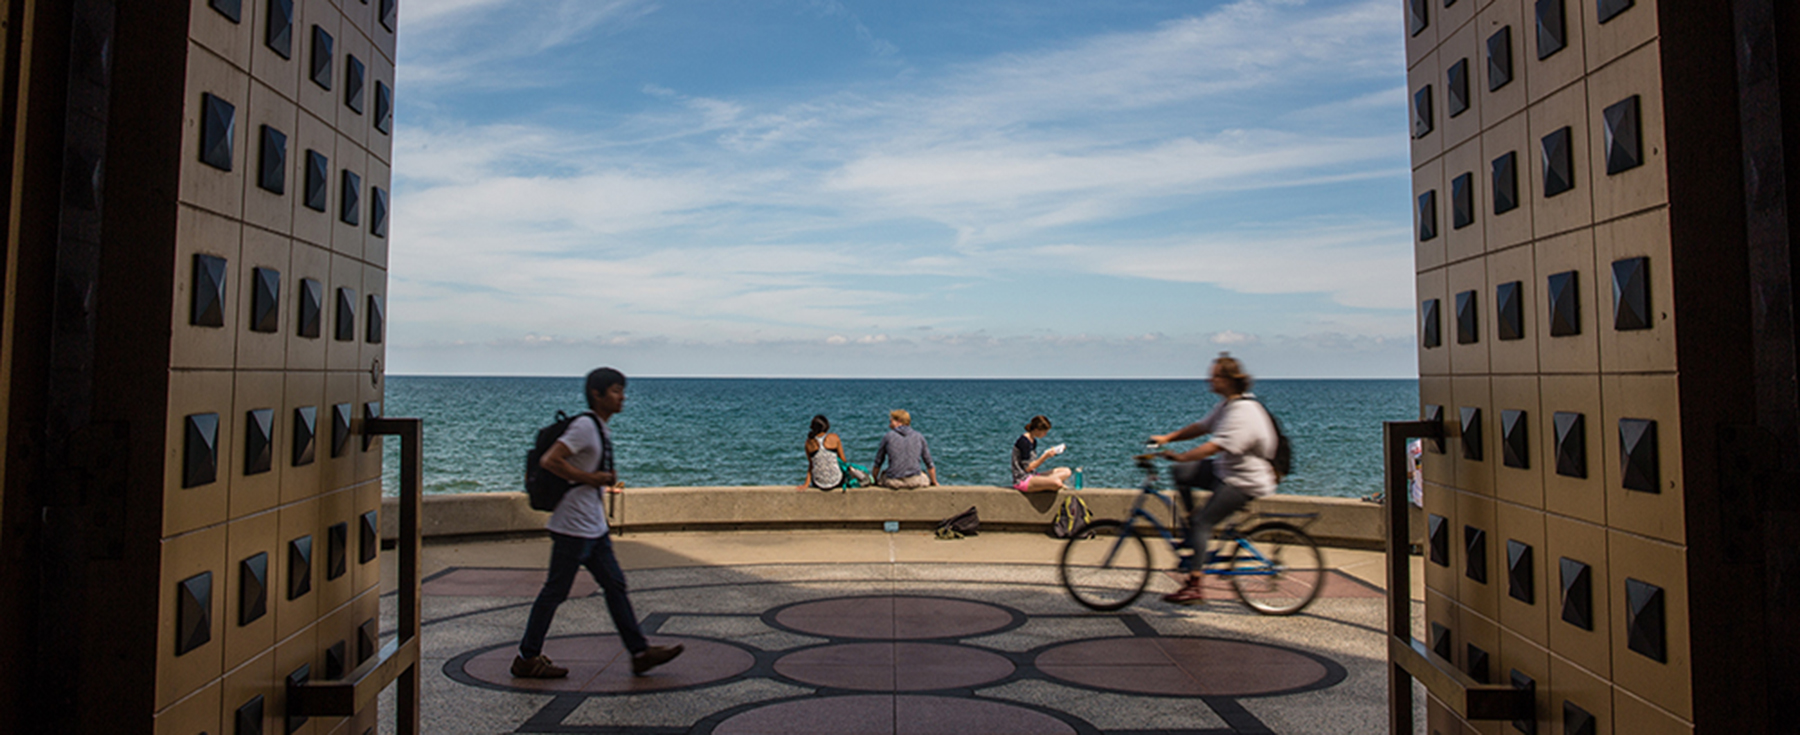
[[546, 488], [1284, 449]]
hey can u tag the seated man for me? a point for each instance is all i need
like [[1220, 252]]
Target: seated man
[[903, 450]]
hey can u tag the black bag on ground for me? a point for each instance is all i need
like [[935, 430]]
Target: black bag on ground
[[1071, 519], [966, 523], [545, 488]]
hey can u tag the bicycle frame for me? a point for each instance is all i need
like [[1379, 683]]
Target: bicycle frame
[[1263, 568]]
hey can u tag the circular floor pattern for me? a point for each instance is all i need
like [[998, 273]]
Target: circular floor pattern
[[1182, 666], [898, 714], [894, 667], [893, 618], [599, 664]]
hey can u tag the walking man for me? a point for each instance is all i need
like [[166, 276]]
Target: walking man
[[908, 459], [578, 535]]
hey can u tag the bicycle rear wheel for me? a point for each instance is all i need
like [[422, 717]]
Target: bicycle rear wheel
[[1106, 566], [1281, 572]]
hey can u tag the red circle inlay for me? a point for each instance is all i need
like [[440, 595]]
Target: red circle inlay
[[1183, 666], [894, 618], [902, 715], [894, 667]]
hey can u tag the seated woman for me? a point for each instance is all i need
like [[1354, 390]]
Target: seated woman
[[824, 452], [1025, 475]]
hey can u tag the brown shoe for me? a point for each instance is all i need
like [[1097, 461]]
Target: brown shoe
[[653, 657], [537, 667], [1191, 593]]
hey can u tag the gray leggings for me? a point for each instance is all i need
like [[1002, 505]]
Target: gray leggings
[[1225, 501]]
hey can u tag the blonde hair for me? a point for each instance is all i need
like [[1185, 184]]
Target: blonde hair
[[1229, 368], [900, 415]]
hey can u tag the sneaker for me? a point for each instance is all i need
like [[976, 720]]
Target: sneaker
[[653, 657], [1189, 594], [537, 667]]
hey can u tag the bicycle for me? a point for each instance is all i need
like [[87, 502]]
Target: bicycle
[[1275, 567]]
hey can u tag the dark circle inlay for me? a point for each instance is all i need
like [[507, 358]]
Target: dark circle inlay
[[894, 667], [1181, 666], [894, 618], [599, 663], [886, 713]]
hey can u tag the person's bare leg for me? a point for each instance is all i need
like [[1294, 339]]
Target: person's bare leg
[[1055, 480]]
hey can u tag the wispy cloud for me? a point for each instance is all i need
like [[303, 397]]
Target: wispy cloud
[[795, 211]]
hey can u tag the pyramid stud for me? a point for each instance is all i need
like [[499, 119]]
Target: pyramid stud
[[337, 551], [1518, 571], [346, 315], [1644, 627], [249, 717], [208, 308], [340, 428], [318, 181], [271, 168], [312, 308], [279, 34], [1438, 534], [253, 589], [1475, 560], [1624, 143], [1571, 444], [1477, 663], [231, 9], [1468, 319], [1519, 680], [1441, 643], [1551, 35], [1577, 721], [259, 441], [1577, 593], [306, 422], [1462, 201], [1509, 310], [368, 543], [386, 14], [384, 107], [321, 58], [299, 567], [1499, 59], [1471, 433], [1515, 443], [1638, 465], [1425, 216], [1565, 304], [353, 83], [378, 211], [336, 656], [1506, 183], [1559, 162], [218, 120], [1418, 16], [297, 677], [265, 300], [368, 641], [1434, 413], [350, 211], [1422, 123], [1431, 333], [1631, 294], [1456, 85], [193, 612], [200, 465]]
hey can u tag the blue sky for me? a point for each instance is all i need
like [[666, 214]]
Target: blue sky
[[901, 188]]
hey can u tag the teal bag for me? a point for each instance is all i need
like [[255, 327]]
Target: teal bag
[[855, 475]]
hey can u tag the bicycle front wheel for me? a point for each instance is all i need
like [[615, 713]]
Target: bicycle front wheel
[[1105, 565], [1280, 572]]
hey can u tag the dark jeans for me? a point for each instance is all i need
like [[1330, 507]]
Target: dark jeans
[[1225, 501], [568, 554]]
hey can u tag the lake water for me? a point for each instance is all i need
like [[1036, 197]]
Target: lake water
[[749, 431]]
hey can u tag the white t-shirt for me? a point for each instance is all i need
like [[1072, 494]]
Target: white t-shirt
[[1246, 439], [582, 512]]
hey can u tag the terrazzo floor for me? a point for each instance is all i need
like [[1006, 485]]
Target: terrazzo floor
[[814, 633]]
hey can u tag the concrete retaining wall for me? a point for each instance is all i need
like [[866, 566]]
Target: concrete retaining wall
[[1341, 522]]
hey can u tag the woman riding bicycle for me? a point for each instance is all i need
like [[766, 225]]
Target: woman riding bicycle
[[1233, 463]]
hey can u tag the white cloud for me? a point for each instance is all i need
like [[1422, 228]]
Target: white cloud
[[757, 215]]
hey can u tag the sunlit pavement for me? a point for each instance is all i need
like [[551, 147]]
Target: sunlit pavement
[[872, 632]]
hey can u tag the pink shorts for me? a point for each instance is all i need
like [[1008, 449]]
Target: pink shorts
[[1020, 485]]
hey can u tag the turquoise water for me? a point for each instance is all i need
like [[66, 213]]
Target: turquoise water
[[749, 431]]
